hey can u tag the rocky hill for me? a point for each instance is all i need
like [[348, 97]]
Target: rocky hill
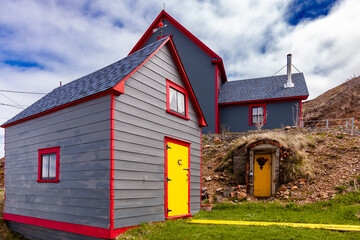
[[334, 156], [342, 101]]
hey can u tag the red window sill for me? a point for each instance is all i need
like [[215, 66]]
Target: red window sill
[[48, 181], [177, 114]]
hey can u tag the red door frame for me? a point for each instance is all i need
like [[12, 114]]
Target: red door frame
[[186, 144]]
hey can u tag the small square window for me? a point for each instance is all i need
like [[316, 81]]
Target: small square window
[[177, 102], [48, 165], [257, 114]]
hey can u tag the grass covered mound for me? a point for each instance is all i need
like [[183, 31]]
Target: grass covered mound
[[295, 164]]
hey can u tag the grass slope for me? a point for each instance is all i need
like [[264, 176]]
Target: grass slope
[[341, 210]]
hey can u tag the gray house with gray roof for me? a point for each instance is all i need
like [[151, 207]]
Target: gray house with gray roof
[[229, 105], [106, 152], [262, 103]]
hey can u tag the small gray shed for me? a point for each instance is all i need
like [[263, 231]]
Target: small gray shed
[[106, 152]]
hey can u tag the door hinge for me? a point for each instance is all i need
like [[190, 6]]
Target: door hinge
[[168, 210], [167, 147], [168, 179], [186, 169]]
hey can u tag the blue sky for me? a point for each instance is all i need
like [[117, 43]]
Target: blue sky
[[45, 42]]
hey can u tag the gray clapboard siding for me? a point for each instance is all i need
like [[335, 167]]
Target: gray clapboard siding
[[53, 208], [66, 201], [77, 133], [138, 184], [141, 123], [83, 134], [199, 68], [68, 193], [138, 202], [34, 233], [62, 118], [278, 114], [120, 222]]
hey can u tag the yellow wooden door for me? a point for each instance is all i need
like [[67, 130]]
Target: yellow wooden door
[[262, 175], [177, 180]]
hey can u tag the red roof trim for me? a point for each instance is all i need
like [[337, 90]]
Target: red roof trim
[[120, 89], [116, 90], [229, 104], [186, 82], [186, 32]]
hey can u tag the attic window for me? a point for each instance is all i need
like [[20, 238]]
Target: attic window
[[176, 100], [257, 114], [48, 164]]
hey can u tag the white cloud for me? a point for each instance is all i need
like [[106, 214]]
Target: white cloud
[[72, 38]]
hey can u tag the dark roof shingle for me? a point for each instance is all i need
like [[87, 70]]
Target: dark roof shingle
[[262, 88], [88, 85]]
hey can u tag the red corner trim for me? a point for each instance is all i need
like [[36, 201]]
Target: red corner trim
[[187, 33], [300, 114], [216, 100], [201, 158], [180, 89], [112, 148], [250, 112], [67, 227], [188, 145], [269, 100], [45, 151], [187, 84]]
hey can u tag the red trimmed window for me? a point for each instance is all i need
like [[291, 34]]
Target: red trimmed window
[[48, 165], [257, 114], [176, 100]]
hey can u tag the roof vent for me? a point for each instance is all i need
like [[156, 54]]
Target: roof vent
[[289, 83]]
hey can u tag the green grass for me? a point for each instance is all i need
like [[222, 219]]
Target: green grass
[[341, 210]]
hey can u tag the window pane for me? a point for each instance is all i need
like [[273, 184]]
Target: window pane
[[52, 172], [181, 103], [173, 103], [45, 166], [260, 110], [254, 111]]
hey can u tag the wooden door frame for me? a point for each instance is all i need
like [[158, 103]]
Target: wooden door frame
[[188, 145], [267, 149]]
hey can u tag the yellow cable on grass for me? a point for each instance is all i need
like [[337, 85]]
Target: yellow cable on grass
[[337, 227]]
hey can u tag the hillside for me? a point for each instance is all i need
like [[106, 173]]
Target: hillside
[[342, 101], [333, 155]]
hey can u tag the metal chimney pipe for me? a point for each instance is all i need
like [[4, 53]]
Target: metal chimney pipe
[[289, 83]]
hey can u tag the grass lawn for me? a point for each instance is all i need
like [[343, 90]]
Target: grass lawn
[[341, 210]]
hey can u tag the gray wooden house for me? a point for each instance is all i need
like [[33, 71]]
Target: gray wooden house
[[262, 103], [234, 106], [106, 152], [203, 66]]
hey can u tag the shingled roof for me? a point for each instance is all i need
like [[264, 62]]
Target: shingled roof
[[263, 88], [96, 82]]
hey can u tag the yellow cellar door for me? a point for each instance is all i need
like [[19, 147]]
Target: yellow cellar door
[[177, 179], [262, 175]]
